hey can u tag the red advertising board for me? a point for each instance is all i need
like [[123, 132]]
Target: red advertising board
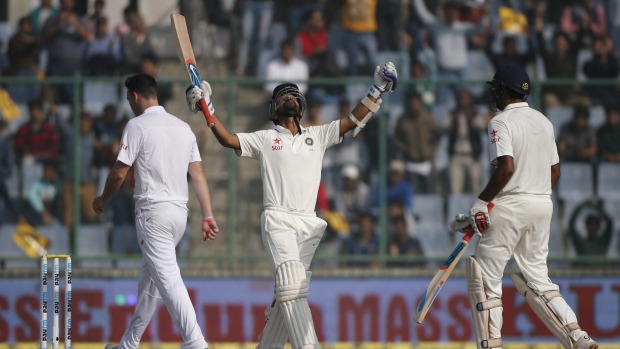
[[344, 310]]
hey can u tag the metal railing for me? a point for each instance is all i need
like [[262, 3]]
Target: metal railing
[[227, 94]]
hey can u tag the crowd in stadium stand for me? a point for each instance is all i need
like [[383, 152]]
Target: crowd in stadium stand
[[437, 126]]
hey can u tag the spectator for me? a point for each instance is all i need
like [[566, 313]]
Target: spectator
[[363, 242], [360, 25], [41, 14], [510, 54], [135, 44], [354, 197], [4, 59], [312, 42], [577, 141], [584, 18], [124, 27], [398, 188], [451, 39], [352, 150], [66, 36], [416, 137], [122, 205], [6, 167], [594, 242], [103, 53], [43, 199], [423, 87], [107, 138], [560, 63], [87, 179], [222, 17], [464, 129], [603, 65], [313, 116], [149, 64], [255, 25], [402, 244], [389, 25], [23, 53], [396, 209], [287, 67], [98, 11], [37, 137], [608, 136], [298, 12]]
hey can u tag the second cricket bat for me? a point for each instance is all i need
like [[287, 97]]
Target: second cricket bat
[[186, 55], [443, 273]]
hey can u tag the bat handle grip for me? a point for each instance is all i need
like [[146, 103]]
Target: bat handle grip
[[205, 111]]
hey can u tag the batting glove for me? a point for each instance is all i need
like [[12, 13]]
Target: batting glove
[[193, 95], [479, 215], [386, 79]]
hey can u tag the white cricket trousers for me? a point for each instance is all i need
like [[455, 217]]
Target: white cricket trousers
[[520, 227], [290, 236], [160, 228]]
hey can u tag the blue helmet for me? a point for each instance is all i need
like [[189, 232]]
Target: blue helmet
[[512, 77], [281, 91]]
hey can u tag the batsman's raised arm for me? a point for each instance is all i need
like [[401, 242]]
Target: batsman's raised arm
[[385, 80], [193, 95]]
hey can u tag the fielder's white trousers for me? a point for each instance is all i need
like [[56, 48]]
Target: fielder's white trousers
[[160, 228], [520, 227]]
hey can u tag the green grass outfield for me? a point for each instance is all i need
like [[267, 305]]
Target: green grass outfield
[[341, 345]]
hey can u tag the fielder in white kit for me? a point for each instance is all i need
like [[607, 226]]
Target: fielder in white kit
[[162, 149], [290, 158], [522, 148]]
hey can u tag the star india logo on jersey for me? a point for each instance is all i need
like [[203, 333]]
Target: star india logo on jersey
[[277, 144], [494, 137]]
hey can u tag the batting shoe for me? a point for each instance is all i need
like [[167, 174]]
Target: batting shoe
[[584, 342], [111, 346]]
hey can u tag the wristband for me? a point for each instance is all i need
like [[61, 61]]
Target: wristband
[[374, 91], [208, 219]]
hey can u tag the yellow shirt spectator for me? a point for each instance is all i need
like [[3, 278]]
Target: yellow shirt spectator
[[359, 15]]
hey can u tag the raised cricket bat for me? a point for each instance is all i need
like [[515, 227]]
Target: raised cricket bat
[[445, 269], [186, 55]]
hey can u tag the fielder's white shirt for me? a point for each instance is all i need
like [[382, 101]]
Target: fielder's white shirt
[[290, 165], [160, 148], [526, 135]]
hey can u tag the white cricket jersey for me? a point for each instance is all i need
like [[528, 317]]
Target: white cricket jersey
[[526, 135], [160, 148], [290, 165]]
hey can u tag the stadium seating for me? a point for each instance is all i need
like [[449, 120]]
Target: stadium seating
[[92, 242], [429, 208], [608, 180], [435, 238], [99, 94], [459, 204], [558, 116], [576, 181]]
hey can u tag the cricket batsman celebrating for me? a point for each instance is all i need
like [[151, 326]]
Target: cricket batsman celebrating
[[290, 159], [522, 148]]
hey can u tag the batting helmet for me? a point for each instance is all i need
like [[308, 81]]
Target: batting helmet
[[281, 91], [513, 78]]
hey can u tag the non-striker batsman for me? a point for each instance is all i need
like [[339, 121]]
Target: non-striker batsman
[[527, 167]]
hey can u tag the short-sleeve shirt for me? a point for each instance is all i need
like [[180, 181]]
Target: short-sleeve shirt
[[527, 136], [290, 165], [160, 148]]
